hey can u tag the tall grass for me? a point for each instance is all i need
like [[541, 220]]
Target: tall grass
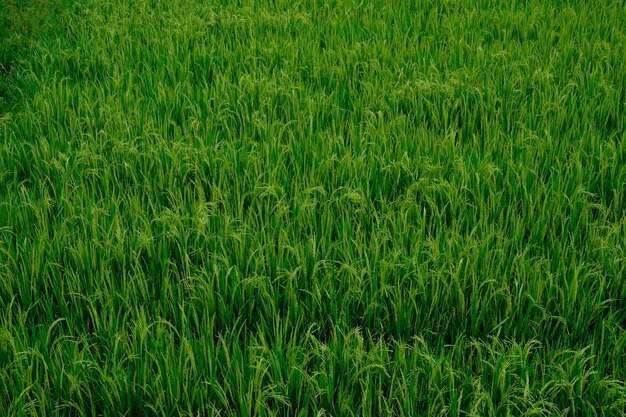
[[336, 208]]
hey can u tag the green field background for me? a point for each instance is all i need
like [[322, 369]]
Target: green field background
[[313, 208]]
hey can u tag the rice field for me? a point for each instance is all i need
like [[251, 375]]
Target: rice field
[[312, 208]]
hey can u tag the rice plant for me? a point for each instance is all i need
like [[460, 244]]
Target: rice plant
[[312, 208]]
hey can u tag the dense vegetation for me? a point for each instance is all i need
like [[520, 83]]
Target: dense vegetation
[[313, 208]]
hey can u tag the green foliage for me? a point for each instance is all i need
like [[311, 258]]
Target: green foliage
[[307, 208], [23, 23]]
